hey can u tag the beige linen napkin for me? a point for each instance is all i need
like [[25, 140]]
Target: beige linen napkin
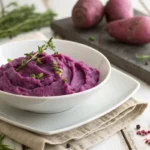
[[82, 137]]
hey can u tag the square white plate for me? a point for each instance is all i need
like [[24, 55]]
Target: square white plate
[[118, 89]]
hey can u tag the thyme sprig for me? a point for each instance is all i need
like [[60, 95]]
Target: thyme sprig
[[29, 54], [58, 71], [3, 146], [143, 57], [33, 56], [21, 19]]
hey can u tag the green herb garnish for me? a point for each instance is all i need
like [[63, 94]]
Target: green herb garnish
[[19, 19], [41, 49], [38, 60], [34, 56], [56, 53], [8, 60], [40, 75], [91, 38], [29, 54], [2, 146], [33, 75], [143, 57], [23, 62], [65, 80], [58, 71]]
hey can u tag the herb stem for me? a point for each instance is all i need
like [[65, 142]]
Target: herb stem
[[21, 66], [2, 8], [41, 49]]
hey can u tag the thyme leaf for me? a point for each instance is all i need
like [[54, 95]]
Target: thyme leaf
[[91, 38], [33, 75], [8, 60], [29, 54], [38, 60], [38, 76], [143, 57]]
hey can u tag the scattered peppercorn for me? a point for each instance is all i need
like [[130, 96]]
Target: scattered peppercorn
[[138, 133], [147, 141], [68, 145], [146, 63], [138, 127], [143, 132]]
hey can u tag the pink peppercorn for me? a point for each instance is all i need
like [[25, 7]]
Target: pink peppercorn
[[146, 141], [142, 131], [138, 132]]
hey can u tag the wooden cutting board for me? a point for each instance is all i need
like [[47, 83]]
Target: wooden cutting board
[[119, 54]]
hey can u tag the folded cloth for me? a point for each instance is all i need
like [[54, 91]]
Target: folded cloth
[[80, 138]]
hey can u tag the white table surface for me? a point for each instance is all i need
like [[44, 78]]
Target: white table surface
[[116, 142]]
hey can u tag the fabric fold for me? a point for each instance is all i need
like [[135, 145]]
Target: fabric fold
[[80, 138]]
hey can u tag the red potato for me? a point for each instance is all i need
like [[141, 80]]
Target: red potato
[[134, 30], [87, 13], [118, 9]]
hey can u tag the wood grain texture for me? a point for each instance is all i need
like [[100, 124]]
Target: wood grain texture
[[137, 142], [116, 142], [120, 54]]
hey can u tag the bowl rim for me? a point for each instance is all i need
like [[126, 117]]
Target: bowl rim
[[69, 95]]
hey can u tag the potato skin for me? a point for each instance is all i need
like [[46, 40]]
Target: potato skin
[[134, 30], [118, 9], [87, 13]]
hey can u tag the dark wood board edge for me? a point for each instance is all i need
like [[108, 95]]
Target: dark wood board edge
[[114, 59]]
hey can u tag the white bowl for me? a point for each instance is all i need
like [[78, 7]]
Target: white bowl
[[55, 104]]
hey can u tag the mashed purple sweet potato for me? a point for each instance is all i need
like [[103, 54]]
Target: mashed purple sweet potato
[[78, 76]]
